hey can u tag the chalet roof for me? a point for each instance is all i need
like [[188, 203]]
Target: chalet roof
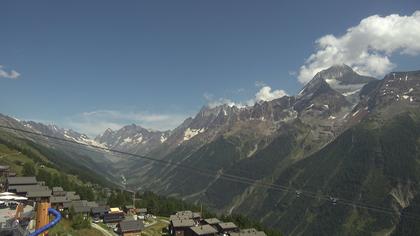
[[131, 226], [80, 203], [115, 209], [4, 168], [248, 232], [179, 217], [187, 213], [41, 193], [27, 188], [80, 206], [21, 180], [227, 225], [92, 204], [203, 230], [72, 196], [183, 223], [100, 209], [196, 215], [184, 214], [57, 189], [81, 209], [58, 199], [212, 221], [113, 217]]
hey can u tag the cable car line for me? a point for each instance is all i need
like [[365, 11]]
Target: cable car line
[[234, 178]]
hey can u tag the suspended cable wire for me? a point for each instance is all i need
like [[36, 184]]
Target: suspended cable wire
[[234, 178]]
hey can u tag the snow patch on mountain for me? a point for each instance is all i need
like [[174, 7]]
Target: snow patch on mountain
[[139, 139], [163, 138], [351, 92], [83, 139], [127, 140], [190, 133]]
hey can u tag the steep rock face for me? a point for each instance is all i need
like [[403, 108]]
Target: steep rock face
[[396, 93], [315, 117], [318, 104], [344, 80], [133, 138], [284, 141], [344, 74], [318, 92]]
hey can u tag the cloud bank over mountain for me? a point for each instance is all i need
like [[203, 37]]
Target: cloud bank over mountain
[[366, 47], [265, 93]]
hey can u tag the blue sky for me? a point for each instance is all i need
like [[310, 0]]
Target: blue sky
[[88, 65]]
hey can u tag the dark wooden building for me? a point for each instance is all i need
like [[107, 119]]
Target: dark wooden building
[[203, 230], [130, 227], [180, 227], [227, 227]]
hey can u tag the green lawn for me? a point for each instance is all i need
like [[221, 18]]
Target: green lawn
[[64, 228], [157, 229]]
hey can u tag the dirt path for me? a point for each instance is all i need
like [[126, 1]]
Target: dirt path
[[103, 231]]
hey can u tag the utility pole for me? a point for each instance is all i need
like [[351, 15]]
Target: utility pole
[[134, 197]]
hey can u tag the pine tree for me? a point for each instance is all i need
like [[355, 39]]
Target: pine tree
[[28, 169]]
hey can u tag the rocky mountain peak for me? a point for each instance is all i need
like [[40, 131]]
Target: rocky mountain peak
[[108, 131], [341, 78], [206, 110], [133, 138], [343, 74], [335, 72]]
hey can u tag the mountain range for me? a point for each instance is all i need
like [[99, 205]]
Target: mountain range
[[339, 158]]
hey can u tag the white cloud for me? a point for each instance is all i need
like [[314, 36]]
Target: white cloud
[[213, 102], [264, 94], [95, 122], [367, 47], [8, 75], [223, 101]]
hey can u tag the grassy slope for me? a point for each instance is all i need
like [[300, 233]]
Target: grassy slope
[[64, 228], [158, 228], [363, 165], [16, 159]]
